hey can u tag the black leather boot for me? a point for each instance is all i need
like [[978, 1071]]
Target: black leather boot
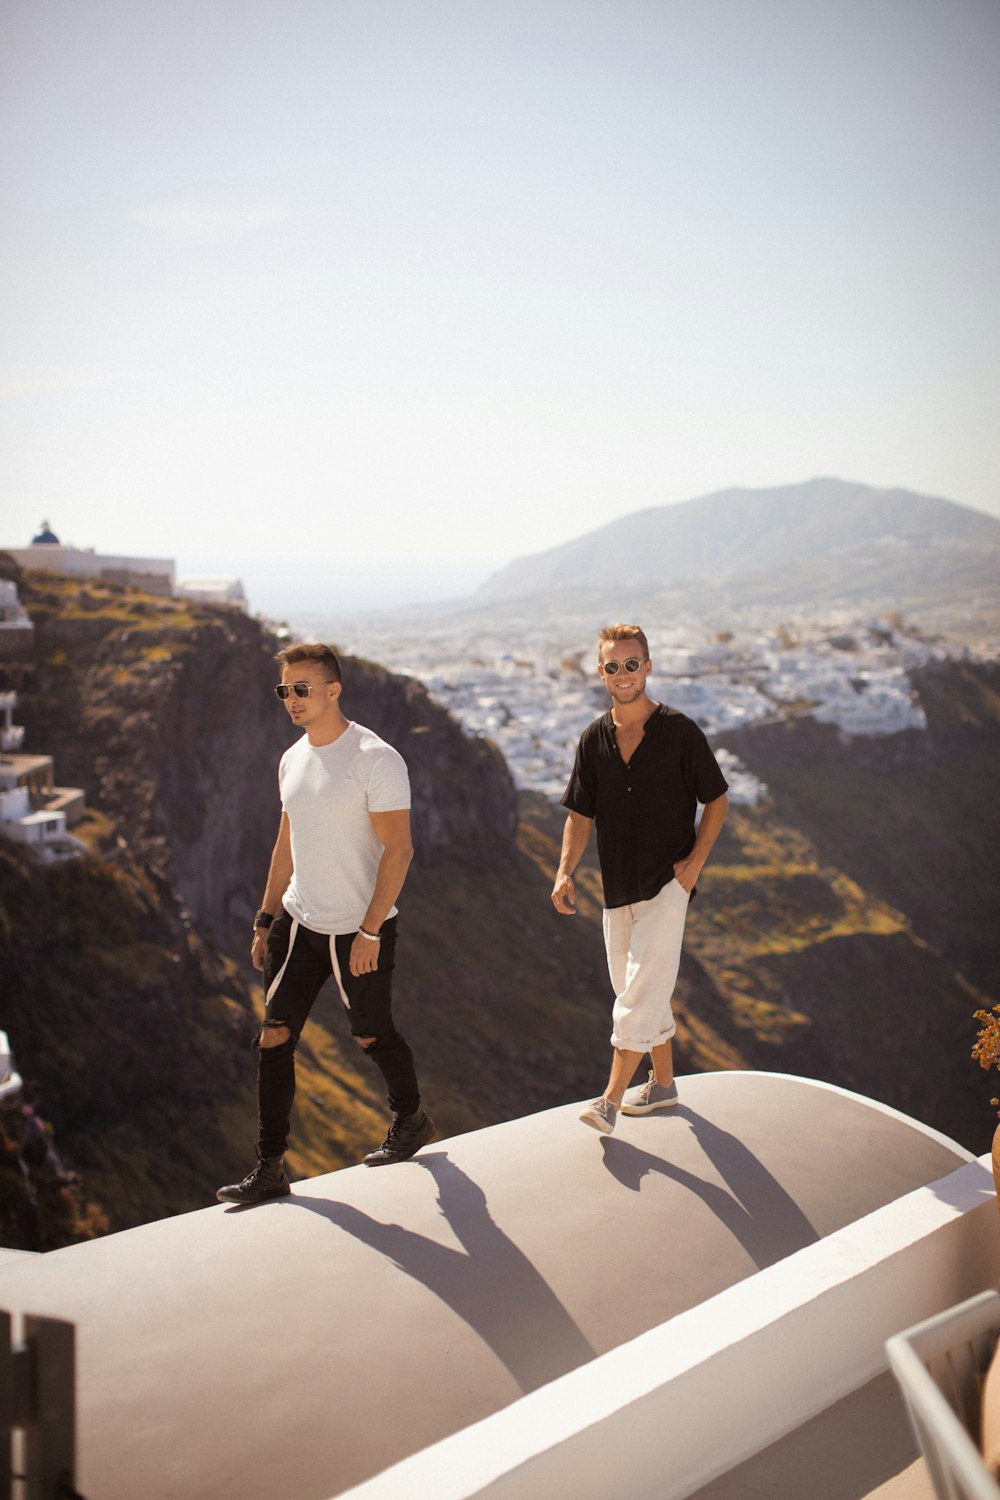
[[407, 1134], [267, 1180]]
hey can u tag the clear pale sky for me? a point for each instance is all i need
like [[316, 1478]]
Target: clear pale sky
[[359, 299]]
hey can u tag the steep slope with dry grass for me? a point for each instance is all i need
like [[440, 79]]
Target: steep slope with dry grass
[[129, 996], [815, 944], [130, 1032], [790, 965]]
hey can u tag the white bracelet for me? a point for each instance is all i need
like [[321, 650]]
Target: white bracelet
[[373, 937]]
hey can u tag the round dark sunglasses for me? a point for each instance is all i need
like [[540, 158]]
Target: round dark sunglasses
[[631, 664]]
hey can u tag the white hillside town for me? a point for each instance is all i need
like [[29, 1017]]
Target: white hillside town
[[532, 688]]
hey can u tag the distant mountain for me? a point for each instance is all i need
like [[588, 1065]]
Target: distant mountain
[[823, 539]]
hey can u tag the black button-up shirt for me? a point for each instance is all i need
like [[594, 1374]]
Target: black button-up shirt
[[644, 811]]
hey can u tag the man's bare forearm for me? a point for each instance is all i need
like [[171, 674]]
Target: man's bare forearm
[[576, 835], [280, 870], [278, 876], [392, 829], [712, 818], [389, 881]]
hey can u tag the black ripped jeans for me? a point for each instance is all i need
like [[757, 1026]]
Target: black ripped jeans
[[297, 965]]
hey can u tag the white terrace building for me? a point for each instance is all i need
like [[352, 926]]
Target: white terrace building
[[225, 591], [154, 574], [17, 633], [696, 1306], [33, 810]]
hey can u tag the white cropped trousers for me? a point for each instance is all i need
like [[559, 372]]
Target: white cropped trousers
[[643, 944]]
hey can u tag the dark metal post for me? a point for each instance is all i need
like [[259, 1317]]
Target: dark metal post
[[38, 1395], [51, 1437], [7, 1409]]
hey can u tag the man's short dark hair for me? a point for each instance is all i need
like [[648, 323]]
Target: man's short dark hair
[[313, 651]]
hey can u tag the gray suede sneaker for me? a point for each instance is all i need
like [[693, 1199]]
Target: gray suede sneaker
[[601, 1114], [649, 1096]]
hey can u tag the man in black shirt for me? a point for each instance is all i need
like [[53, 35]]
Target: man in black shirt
[[640, 771]]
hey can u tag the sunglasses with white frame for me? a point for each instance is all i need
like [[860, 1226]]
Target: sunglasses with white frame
[[631, 664]]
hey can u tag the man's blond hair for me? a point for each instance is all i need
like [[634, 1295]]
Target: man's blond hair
[[622, 632]]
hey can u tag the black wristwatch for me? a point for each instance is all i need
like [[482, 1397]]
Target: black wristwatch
[[262, 919]]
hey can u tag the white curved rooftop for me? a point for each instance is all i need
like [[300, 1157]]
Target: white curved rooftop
[[300, 1347]]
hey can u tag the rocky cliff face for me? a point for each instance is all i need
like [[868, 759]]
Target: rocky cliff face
[[843, 927], [132, 1036], [914, 818], [163, 712], [125, 979]]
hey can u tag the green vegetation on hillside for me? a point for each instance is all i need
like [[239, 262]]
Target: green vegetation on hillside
[[790, 966], [840, 930]]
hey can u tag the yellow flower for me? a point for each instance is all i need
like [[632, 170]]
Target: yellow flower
[[986, 1049]]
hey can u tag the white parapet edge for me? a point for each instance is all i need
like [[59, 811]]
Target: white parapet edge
[[688, 1400]]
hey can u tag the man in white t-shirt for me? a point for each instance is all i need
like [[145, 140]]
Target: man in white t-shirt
[[329, 908]]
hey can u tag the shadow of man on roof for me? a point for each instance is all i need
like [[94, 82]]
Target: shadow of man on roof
[[489, 1283], [753, 1205]]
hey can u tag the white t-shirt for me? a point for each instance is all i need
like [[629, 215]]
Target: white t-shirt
[[328, 792]]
